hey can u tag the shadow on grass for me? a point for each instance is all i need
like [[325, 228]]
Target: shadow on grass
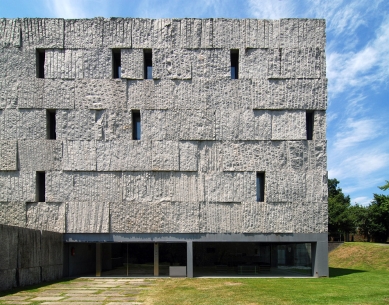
[[336, 272], [34, 288]]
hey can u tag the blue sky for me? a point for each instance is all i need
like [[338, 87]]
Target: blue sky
[[357, 67]]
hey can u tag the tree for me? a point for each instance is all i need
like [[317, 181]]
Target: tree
[[378, 218], [385, 187], [340, 221]]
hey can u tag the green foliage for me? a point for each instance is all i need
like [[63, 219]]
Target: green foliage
[[385, 187]]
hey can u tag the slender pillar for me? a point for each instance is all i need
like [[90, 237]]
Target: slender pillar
[[156, 259], [320, 258], [98, 259], [189, 259]]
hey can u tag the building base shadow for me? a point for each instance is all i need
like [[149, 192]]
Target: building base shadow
[[336, 272]]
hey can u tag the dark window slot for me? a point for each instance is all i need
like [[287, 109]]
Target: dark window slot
[[148, 64], [260, 187], [309, 125], [116, 63], [234, 64], [51, 133], [40, 186], [40, 63], [136, 128]]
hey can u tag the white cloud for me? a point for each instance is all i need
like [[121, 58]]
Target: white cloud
[[271, 9], [364, 201], [79, 8]]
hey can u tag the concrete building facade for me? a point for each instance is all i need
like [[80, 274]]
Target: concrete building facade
[[204, 138]]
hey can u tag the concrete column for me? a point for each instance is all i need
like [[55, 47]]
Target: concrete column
[[156, 259], [189, 259], [320, 258], [98, 259]]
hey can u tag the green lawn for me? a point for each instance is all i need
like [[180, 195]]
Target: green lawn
[[359, 274]]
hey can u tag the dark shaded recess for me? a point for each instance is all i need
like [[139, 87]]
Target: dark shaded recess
[[136, 127], [234, 64], [260, 187], [40, 63], [148, 63], [309, 125], [116, 63], [40, 186], [51, 124]]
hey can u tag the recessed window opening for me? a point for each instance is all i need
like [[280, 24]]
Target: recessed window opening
[[40, 63], [51, 124], [261, 187], [234, 64], [40, 186], [116, 63], [148, 63], [136, 129], [309, 125]]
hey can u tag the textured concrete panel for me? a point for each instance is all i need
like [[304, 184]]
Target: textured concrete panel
[[8, 155], [210, 156], [77, 125], [317, 155], [87, 217], [160, 125], [17, 186], [192, 33], [117, 32], [51, 248], [59, 186], [29, 276], [149, 94], [13, 213], [199, 125], [319, 125], [78, 63], [312, 33], [124, 155], [84, 33], [52, 273], [229, 33], [9, 247], [142, 33], [17, 63], [229, 187], [289, 125], [213, 63], [165, 156], [132, 64], [220, 217], [22, 124], [161, 186], [317, 188], [160, 217], [7, 279], [40, 155], [189, 156], [42, 33], [100, 94], [29, 247], [259, 63], [255, 33], [46, 216], [289, 33], [303, 63], [172, 64], [79, 155], [285, 186], [297, 153], [244, 125], [10, 33], [9, 89]]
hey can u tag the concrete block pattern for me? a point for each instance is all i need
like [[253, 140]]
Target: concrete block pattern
[[22, 124], [172, 64], [100, 94], [40, 155], [124, 155], [286, 186], [8, 249], [17, 186], [7, 279], [42, 32], [29, 276], [46, 216], [52, 273], [132, 64], [87, 217], [229, 187], [8, 155], [117, 32], [79, 156], [289, 125], [255, 33], [77, 125], [13, 213], [289, 33], [312, 33], [9, 89], [149, 94], [10, 33], [17, 63], [84, 33], [259, 63], [210, 156], [319, 125], [51, 248], [317, 155], [29, 245], [211, 63], [317, 186], [220, 217]]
